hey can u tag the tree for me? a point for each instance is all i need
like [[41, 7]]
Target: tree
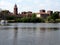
[[4, 13], [55, 16], [33, 15], [10, 17], [48, 18]]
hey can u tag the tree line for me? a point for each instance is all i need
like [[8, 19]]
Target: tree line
[[5, 14]]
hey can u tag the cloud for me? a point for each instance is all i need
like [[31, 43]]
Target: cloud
[[33, 5], [6, 5]]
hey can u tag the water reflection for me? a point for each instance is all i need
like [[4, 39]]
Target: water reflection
[[24, 34], [15, 35], [55, 28], [28, 27], [4, 24]]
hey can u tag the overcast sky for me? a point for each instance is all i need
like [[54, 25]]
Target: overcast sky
[[30, 5]]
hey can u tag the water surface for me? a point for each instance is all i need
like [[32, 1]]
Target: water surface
[[30, 34]]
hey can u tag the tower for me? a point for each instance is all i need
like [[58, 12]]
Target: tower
[[15, 10]]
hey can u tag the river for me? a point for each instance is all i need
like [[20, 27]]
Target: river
[[30, 34]]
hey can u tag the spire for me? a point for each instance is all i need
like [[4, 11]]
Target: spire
[[15, 6]]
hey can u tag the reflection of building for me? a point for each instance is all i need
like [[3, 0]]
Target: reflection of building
[[15, 10], [15, 35]]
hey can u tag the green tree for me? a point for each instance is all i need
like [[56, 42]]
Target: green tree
[[48, 18], [55, 16], [10, 17], [33, 15], [4, 13]]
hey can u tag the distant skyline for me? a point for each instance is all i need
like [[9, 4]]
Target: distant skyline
[[30, 5]]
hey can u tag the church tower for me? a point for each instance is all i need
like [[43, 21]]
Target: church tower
[[15, 10]]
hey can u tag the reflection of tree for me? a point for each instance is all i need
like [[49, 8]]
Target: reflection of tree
[[15, 35], [49, 29], [53, 29]]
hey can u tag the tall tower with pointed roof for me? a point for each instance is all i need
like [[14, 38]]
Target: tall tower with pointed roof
[[15, 10]]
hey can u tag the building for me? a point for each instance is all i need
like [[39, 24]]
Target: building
[[23, 14], [38, 15], [15, 10], [26, 14], [49, 12], [43, 14], [29, 13], [42, 11]]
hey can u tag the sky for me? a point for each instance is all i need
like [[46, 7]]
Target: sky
[[30, 5]]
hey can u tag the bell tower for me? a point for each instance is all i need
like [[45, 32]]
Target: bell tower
[[15, 10]]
